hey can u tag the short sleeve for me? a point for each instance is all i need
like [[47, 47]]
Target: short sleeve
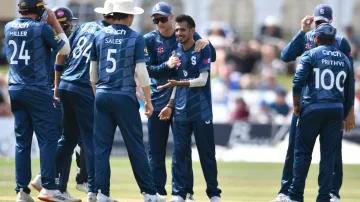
[[51, 40], [94, 54], [149, 50], [205, 59], [141, 52]]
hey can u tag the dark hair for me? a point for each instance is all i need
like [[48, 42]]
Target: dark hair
[[319, 22], [186, 18], [120, 16], [326, 41], [108, 16]]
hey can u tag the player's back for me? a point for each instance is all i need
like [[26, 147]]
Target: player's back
[[114, 49], [326, 82], [78, 61], [29, 51], [339, 43], [193, 104], [302, 43]]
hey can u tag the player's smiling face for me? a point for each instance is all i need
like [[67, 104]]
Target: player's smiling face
[[183, 32]]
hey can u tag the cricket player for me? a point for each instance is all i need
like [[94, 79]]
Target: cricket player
[[65, 17], [117, 53], [30, 41], [161, 45], [192, 112], [303, 41], [326, 78], [77, 98]]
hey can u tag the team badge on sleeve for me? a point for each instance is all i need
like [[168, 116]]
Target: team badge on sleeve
[[57, 38], [146, 51], [207, 61]]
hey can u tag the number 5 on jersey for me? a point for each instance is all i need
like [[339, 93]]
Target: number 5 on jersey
[[112, 60]]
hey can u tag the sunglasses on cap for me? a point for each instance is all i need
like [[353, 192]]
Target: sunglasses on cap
[[160, 19]]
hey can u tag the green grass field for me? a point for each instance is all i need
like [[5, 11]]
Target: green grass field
[[240, 182], [4, 69]]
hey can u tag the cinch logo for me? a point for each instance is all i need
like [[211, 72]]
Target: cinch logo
[[20, 25], [116, 32], [332, 53]]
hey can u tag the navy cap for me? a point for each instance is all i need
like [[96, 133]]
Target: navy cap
[[25, 4], [162, 8], [325, 30], [323, 12]]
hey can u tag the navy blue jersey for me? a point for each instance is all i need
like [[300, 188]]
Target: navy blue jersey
[[324, 75], [193, 104], [29, 43], [160, 49], [117, 49], [305, 41], [78, 62], [52, 73]]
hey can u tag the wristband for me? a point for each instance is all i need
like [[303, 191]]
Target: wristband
[[169, 106], [59, 68]]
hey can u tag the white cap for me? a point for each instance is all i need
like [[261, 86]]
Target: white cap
[[119, 6], [271, 21]]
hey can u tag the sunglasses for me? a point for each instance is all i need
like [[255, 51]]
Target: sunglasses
[[160, 19]]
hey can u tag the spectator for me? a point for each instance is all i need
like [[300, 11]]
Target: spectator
[[269, 82], [3, 59], [357, 103], [5, 109], [280, 106], [242, 58], [354, 41], [271, 28], [241, 112], [217, 37], [220, 68], [270, 60]]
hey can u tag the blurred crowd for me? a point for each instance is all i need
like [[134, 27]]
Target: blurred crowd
[[249, 80]]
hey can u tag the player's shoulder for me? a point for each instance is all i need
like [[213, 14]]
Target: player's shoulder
[[340, 38], [308, 55], [9, 24], [310, 34], [151, 35], [315, 51], [135, 34], [91, 25]]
